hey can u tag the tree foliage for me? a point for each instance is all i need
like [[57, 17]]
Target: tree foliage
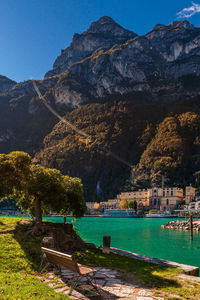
[[133, 205], [38, 189], [123, 203]]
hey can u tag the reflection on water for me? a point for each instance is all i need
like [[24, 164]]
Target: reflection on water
[[143, 236]]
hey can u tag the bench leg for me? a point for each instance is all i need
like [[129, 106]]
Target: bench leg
[[47, 264]]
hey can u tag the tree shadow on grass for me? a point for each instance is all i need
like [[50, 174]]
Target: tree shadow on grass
[[148, 274], [30, 244]]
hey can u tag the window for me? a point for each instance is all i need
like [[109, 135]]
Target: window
[[167, 202], [164, 193], [171, 192], [154, 201]]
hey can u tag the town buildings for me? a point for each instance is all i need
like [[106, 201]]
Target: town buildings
[[159, 198], [165, 199]]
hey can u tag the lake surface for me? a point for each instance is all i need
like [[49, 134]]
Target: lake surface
[[140, 235]]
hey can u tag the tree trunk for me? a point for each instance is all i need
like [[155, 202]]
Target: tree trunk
[[38, 216]]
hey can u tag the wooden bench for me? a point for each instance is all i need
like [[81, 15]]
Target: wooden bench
[[66, 261]]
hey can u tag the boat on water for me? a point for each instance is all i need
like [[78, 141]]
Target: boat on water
[[165, 215], [120, 213]]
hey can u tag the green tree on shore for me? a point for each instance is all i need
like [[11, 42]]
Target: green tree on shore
[[38, 189], [133, 205]]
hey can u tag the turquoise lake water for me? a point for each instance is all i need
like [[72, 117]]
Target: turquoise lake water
[[140, 235]]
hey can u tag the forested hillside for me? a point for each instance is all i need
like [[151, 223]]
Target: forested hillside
[[141, 137]]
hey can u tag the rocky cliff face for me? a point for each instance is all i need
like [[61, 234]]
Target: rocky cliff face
[[103, 33], [109, 60], [6, 84]]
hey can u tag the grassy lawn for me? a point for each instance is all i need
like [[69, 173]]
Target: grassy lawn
[[20, 259], [19, 264]]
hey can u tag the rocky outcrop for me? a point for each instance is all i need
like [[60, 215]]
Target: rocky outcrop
[[6, 84], [62, 237], [182, 225]]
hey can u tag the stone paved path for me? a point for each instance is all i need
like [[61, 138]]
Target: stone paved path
[[108, 285]]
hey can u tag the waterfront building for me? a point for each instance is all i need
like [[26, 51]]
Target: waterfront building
[[141, 197], [189, 194], [110, 204], [172, 198], [90, 206], [168, 198]]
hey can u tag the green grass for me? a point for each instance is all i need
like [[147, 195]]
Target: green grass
[[19, 263]]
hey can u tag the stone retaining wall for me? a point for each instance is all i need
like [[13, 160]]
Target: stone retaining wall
[[189, 270]]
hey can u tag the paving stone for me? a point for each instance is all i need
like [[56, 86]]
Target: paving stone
[[128, 298], [62, 289], [111, 273], [174, 296], [66, 272], [102, 269], [68, 277], [101, 282], [92, 294], [74, 293], [100, 275], [83, 279], [86, 287], [144, 298], [145, 293], [129, 291], [117, 280]]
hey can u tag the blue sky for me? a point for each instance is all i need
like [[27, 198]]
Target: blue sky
[[32, 32]]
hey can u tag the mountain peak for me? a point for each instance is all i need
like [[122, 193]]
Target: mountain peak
[[175, 24], [105, 19], [182, 24], [6, 83], [106, 25], [104, 32]]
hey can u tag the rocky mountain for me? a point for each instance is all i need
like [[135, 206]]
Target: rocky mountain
[[104, 33], [123, 90], [157, 63]]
